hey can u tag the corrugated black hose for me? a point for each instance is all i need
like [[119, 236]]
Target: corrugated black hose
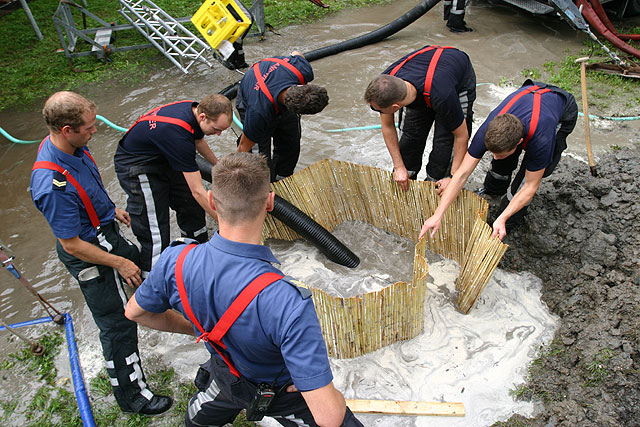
[[302, 224]]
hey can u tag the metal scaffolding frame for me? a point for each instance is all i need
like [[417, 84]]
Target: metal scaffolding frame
[[101, 45], [176, 42]]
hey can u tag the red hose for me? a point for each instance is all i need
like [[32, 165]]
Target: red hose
[[602, 14], [597, 23]]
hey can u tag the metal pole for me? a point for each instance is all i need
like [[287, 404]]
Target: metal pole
[[30, 16]]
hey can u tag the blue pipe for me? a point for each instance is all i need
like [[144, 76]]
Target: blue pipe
[[84, 406], [28, 323]]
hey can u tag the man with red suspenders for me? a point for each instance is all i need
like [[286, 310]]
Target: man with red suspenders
[[272, 95], [433, 84], [156, 165], [66, 187], [536, 119], [267, 351]]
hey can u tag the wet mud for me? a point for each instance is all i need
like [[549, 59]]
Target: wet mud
[[582, 238]]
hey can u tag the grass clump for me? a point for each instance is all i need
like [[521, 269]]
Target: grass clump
[[532, 388], [598, 369]]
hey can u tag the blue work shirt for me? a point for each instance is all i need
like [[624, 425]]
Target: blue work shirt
[[539, 150], [162, 144], [259, 109], [449, 79], [277, 335], [60, 202]]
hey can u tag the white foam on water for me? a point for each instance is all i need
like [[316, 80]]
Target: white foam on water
[[475, 359]]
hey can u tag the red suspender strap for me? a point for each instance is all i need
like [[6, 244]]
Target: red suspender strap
[[152, 116], [263, 85], [93, 216], [535, 112], [288, 65], [535, 115], [516, 97], [181, 289], [410, 57], [240, 303], [430, 71], [233, 312]]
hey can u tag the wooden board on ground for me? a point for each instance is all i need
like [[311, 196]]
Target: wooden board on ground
[[398, 407]]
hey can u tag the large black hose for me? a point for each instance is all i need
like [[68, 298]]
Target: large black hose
[[363, 40], [376, 35], [302, 224]]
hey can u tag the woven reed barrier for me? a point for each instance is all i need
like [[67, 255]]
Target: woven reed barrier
[[332, 192]]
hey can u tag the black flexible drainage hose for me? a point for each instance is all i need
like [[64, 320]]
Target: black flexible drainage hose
[[374, 36], [363, 40], [302, 224]]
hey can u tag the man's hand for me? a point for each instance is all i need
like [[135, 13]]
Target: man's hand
[[123, 217], [441, 185], [130, 271], [401, 176], [433, 223], [499, 228]]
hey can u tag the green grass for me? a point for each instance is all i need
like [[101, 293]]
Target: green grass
[[533, 389], [32, 69], [43, 365], [598, 368], [607, 94], [53, 403]]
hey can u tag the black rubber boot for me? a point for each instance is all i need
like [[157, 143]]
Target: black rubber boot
[[236, 60], [157, 405], [456, 24]]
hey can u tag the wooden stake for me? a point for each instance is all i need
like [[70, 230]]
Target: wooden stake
[[585, 111], [398, 407]]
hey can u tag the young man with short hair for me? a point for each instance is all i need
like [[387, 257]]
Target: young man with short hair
[[535, 119], [271, 97], [67, 188], [275, 344], [156, 166]]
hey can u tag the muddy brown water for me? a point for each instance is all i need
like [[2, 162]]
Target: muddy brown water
[[504, 42]]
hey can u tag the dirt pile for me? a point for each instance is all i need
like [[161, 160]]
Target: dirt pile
[[582, 238]]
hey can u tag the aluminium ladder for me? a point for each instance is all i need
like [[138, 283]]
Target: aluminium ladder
[[169, 36]]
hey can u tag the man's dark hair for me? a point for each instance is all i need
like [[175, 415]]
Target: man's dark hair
[[306, 99], [66, 109], [385, 90], [503, 133]]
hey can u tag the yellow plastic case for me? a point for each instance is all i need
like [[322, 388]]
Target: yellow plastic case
[[219, 20]]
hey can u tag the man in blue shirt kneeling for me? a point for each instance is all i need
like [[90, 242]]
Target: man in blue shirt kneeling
[[267, 351]]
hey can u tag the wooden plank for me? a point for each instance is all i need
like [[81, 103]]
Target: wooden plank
[[398, 407]]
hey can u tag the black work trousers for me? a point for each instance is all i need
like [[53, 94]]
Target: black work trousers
[[416, 125], [150, 196], [103, 290], [285, 131], [453, 7], [221, 396]]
